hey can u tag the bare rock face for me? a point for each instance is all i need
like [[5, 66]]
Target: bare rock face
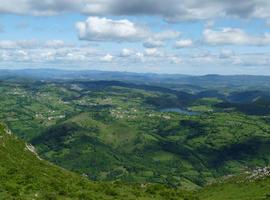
[[32, 149]]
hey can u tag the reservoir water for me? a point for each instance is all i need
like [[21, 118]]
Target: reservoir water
[[179, 110]]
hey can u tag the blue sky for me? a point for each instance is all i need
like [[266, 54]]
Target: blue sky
[[216, 37]]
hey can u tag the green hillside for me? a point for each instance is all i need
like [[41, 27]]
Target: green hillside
[[24, 176], [185, 151], [255, 186]]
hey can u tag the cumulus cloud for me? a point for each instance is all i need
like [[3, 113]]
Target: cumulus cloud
[[31, 44], [166, 35], [15, 44], [234, 36], [40, 52], [203, 57], [152, 43], [107, 58], [55, 43], [183, 43], [127, 52], [158, 39], [153, 52], [171, 10], [176, 60], [103, 29], [151, 56], [140, 56], [45, 54], [253, 59], [230, 59]]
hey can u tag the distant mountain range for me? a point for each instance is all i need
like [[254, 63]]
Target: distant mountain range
[[174, 80]]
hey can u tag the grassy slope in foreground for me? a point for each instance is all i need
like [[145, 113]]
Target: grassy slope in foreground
[[238, 188], [24, 176]]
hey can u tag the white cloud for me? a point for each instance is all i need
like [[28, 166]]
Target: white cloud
[[31, 44], [18, 54], [103, 29], [158, 39], [167, 35], [15, 44], [55, 43], [251, 60], [140, 56], [153, 52], [108, 30], [127, 52], [151, 43], [183, 43], [176, 60], [107, 58], [234, 36], [203, 57], [6, 44], [40, 52]]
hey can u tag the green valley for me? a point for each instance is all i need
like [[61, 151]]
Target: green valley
[[134, 138]]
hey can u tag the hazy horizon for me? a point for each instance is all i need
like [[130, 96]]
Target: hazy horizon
[[132, 72]]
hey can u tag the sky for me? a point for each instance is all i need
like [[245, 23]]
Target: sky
[[157, 36]]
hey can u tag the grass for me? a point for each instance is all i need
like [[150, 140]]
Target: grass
[[237, 188]]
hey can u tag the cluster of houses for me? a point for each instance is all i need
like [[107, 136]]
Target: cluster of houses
[[120, 113], [51, 117], [259, 173]]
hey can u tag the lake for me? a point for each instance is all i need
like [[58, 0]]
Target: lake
[[179, 110]]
